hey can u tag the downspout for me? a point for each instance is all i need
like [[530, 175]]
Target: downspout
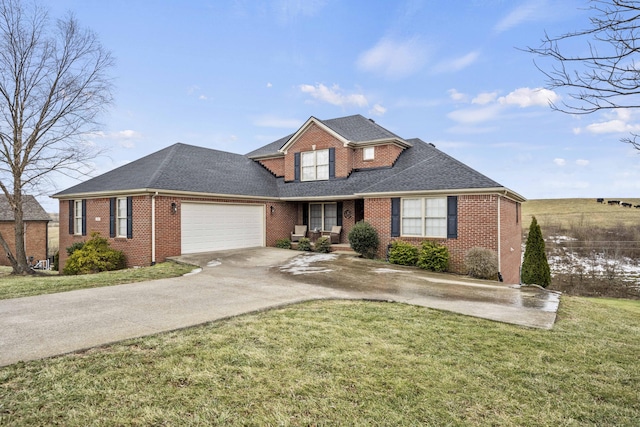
[[153, 228], [499, 241]]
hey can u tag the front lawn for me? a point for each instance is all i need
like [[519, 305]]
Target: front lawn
[[347, 363], [50, 282]]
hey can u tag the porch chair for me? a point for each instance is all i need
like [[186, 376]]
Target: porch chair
[[334, 234], [298, 232]]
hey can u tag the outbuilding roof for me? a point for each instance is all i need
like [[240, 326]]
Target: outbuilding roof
[[32, 210]]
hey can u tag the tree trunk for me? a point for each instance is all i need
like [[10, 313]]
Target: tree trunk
[[21, 265]]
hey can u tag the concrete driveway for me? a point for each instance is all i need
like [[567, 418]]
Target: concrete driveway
[[231, 283]]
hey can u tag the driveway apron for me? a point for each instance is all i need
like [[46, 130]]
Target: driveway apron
[[231, 283]]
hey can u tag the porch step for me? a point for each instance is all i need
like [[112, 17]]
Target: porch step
[[337, 248]]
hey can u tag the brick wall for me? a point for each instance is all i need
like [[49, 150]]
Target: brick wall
[[477, 227], [275, 166], [322, 140], [384, 155], [138, 252], [510, 240], [35, 240]]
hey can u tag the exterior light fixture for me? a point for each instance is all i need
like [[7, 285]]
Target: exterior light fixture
[[174, 207], [273, 209]]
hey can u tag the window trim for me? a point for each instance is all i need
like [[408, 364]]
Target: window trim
[[322, 217], [372, 156], [119, 218], [77, 219], [424, 216], [315, 165]]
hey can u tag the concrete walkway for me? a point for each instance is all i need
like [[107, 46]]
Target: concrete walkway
[[237, 282]]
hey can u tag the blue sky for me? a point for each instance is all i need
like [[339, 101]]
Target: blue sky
[[235, 75]]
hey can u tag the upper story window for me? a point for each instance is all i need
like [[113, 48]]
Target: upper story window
[[315, 165], [425, 217], [368, 153]]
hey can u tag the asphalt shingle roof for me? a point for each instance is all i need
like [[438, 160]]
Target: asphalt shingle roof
[[32, 211], [181, 167]]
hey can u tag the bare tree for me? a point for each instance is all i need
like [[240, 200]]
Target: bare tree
[[53, 86], [607, 75]]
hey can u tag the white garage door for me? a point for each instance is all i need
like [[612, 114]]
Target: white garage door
[[214, 227]]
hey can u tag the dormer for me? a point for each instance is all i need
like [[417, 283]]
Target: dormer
[[322, 150]]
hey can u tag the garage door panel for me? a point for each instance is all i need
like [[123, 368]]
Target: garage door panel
[[211, 227]]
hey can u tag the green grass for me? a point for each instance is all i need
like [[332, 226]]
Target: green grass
[[49, 283], [584, 212], [347, 363]]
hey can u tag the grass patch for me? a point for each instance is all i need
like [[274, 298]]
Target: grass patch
[[568, 213], [347, 363], [49, 283]]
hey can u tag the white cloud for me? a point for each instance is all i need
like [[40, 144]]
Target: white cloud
[[618, 123], [377, 110], [525, 12], [457, 64], [457, 96], [127, 134], [269, 84], [484, 98], [475, 115], [526, 97], [334, 95], [394, 59], [582, 162], [559, 162], [203, 97], [277, 122]]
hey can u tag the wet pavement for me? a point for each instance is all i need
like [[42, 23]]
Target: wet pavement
[[231, 283]]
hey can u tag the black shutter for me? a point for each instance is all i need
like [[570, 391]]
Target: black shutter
[[112, 217], [452, 217], [395, 217], [296, 166], [84, 217], [332, 162], [72, 208], [305, 214], [339, 213], [129, 217]]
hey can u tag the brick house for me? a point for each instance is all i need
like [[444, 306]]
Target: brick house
[[36, 221], [186, 199]]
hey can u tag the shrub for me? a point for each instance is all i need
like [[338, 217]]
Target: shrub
[[323, 245], [535, 267], [403, 253], [94, 256], [363, 239], [304, 244], [433, 257], [74, 247], [283, 243], [56, 261], [481, 263]]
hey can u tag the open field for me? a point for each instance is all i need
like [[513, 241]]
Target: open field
[[587, 212], [593, 249], [347, 363]]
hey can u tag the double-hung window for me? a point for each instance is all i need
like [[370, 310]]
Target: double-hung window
[[424, 217], [121, 219], [315, 165], [323, 216], [77, 216]]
